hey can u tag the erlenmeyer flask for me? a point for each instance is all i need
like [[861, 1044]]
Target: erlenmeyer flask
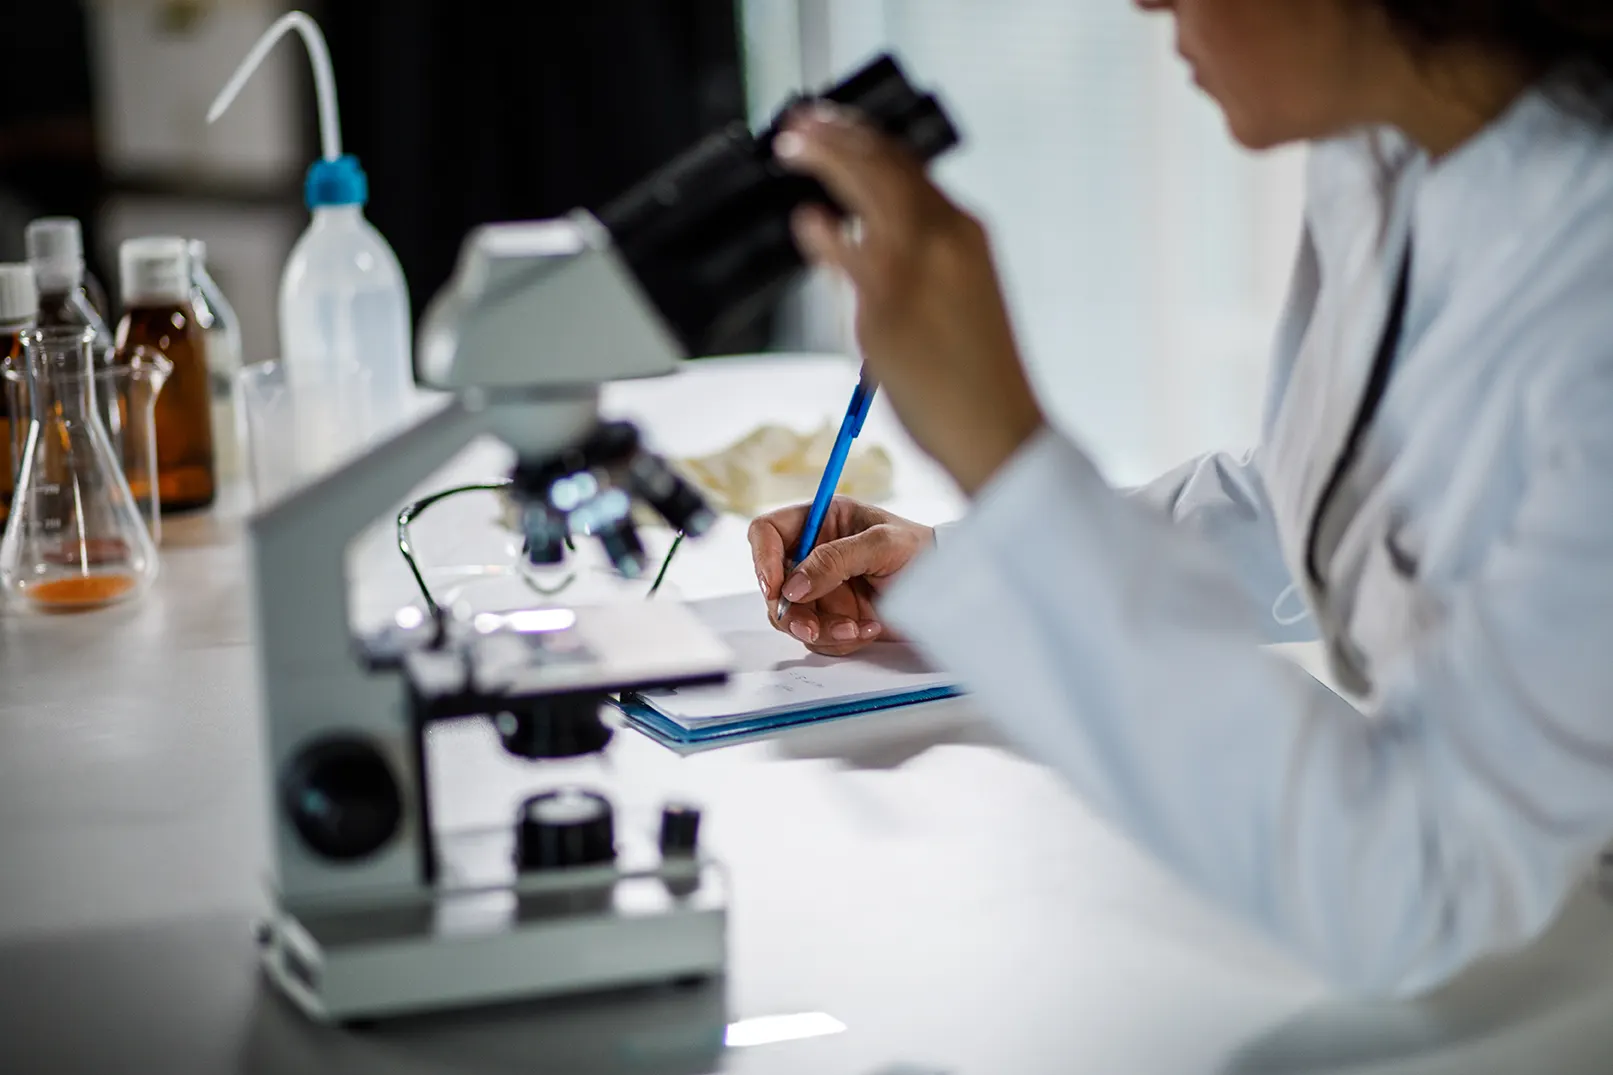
[[76, 539]]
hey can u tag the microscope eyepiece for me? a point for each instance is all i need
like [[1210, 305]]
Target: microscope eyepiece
[[708, 235], [881, 93]]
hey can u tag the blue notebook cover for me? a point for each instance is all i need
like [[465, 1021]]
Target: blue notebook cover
[[659, 727]]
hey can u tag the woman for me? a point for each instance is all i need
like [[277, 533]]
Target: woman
[[1434, 487]]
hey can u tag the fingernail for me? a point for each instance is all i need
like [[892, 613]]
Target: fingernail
[[788, 145], [796, 588], [845, 632], [870, 630], [761, 582], [803, 632]]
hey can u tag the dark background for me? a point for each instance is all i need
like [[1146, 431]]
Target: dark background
[[461, 112], [48, 163], [466, 113]]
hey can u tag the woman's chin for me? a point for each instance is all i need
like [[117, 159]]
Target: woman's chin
[[1256, 135]]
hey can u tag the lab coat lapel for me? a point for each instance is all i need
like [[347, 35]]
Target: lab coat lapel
[[1482, 241], [1333, 365]]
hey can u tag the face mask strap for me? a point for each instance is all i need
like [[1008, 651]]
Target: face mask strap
[[1304, 613]]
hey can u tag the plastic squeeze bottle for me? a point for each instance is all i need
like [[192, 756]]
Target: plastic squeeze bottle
[[344, 310]]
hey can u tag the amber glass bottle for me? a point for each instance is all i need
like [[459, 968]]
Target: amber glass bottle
[[19, 303], [157, 314]]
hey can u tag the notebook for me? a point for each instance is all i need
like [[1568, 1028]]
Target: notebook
[[777, 683]]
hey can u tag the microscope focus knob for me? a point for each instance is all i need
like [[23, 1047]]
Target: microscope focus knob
[[680, 830], [559, 726], [342, 798], [568, 827]]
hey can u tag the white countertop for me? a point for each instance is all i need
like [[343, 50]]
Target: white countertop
[[953, 906]]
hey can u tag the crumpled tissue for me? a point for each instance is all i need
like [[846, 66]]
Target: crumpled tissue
[[775, 465]]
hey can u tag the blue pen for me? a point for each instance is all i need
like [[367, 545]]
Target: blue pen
[[856, 412]]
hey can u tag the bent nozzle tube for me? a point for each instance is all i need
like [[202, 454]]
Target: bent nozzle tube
[[330, 125]]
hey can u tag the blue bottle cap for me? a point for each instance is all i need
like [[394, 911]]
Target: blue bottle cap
[[336, 182]]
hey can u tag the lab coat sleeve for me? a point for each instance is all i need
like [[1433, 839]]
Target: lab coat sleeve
[[1389, 849], [1222, 499]]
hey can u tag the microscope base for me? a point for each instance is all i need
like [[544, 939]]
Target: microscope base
[[598, 929]]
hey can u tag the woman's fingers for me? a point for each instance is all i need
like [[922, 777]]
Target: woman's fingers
[[835, 563], [837, 624], [800, 621], [831, 594], [859, 167], [872, 177], [845, 620], [767, 556], [840, 629], [867, 616], [770, 536], [823, 241]]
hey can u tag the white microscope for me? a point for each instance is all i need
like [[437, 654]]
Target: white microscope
[[373, 913]]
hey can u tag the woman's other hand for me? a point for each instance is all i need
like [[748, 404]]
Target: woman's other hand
[[860, 550], [931, 322]]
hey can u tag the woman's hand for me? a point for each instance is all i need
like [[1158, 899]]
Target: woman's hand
[[931, 322], [859, 552]]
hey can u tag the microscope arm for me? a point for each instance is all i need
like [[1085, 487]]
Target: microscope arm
[[299, 543], [311, 682]]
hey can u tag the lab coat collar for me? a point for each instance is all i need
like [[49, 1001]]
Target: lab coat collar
[[1472, 201]]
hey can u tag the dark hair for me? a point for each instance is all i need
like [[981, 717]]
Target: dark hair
[[1572, 40]]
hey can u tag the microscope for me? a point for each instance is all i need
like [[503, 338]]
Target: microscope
[[374, 914]]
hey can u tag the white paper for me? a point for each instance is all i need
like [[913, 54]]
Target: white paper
[[775, 675]]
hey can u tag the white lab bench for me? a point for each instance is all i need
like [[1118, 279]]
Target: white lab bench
[[952, 907]]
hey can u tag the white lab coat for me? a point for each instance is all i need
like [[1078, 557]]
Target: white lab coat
[[1447, 812]]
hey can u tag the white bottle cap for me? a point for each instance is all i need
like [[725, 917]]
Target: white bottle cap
[[154, 269], [19, 297], [55, 247]]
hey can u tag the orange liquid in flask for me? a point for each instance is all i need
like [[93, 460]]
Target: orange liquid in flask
[[78, 592]]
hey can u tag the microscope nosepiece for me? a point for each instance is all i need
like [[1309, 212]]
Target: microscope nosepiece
[[588, 491]]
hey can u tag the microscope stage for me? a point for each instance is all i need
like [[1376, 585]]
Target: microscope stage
[[547, 651]]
